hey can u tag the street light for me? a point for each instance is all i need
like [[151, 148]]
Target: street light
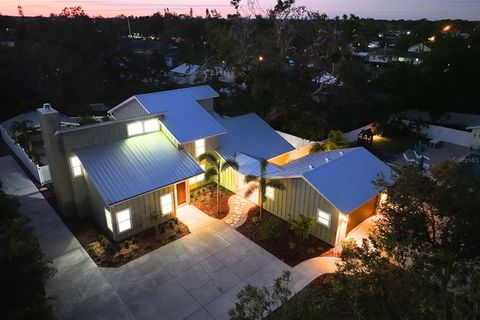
[[260, 58], [447, 28]]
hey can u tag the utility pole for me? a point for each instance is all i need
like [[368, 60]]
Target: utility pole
[[129, 30]]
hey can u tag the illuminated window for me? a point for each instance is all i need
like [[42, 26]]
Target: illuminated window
[[199, 147], [108, 218], [198, 178], [135, 128], [76, 166], [124, 221], [151, 125], [166, 202], [269, 193], [323, 217]]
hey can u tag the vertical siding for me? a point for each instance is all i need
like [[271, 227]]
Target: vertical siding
[[207, 104], [96, 204], [227, 179], [140, 208], [300, 198], [211, 144], [129, 110]]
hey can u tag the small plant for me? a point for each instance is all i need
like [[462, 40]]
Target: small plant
[[302, 226], [254, 219], [106, 244], [311, 251], [155, 218], [292, 245], [269, 228]]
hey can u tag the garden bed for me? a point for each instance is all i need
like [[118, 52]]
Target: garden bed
[[205, 199], [279, 240], [108, 253]]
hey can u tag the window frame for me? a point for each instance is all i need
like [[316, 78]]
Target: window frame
[[320, 220], [170, 195], [201, 147], [108, 219], [76, 166], [119, 221]]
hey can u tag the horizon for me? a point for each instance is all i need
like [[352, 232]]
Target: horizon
[[376, 9]]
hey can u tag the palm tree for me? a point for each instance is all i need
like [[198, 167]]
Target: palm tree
[[262, 183], [216, 168], [23, 132]]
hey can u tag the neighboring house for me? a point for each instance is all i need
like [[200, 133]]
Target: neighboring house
[[188, 74], [419, 48], [326, 78], [475, 136], [144, 162], [223, 74]]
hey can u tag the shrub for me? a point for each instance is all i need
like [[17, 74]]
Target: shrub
[[302, 226], [269, 228]]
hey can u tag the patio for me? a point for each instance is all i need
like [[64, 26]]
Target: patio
[[445, 152]]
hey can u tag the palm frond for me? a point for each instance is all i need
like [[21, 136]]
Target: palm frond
[[251, 189], [276, 184], [209, 157], [250, 178], [230, 163], [210, 173]]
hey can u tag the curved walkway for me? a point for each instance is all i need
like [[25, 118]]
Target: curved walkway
[[238, 213]]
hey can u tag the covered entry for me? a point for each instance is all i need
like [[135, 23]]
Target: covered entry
[[361, 213]]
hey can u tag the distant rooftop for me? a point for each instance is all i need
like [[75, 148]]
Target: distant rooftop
[[33, 117]]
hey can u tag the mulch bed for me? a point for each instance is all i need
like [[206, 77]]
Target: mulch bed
[[108, 253], [205, 199], [285, 245]]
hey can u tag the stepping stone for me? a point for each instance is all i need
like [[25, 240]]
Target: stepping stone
[[229, 221]]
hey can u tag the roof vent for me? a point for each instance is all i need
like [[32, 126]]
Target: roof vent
[[47, 106], [326, 159], [310, 167], [341, 153]]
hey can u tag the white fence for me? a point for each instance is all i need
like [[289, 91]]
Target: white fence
[[458, 137], [298, 142], [42, 174]]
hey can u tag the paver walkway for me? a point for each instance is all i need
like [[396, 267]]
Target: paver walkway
[[195, 277], [238, 211]]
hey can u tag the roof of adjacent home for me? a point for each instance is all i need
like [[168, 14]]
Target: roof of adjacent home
[[126, 168], [184, 117], [344, 177], [250, 135], [33, 117], [185, 69]]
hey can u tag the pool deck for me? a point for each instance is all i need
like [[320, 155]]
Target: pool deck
[[445, 152]]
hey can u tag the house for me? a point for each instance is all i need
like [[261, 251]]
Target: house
[[188, 74], [475, 136], [326, 78], [144, 162], [419, 48]]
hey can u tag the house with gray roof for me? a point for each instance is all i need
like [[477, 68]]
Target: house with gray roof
[[145, 161]]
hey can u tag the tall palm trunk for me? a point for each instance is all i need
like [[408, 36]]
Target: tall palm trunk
[[218, 195]]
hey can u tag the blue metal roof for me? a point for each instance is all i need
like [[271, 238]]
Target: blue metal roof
[[130, 167], [251, 166], [185, 118], [33, 117], [250, 135], [345, 179]]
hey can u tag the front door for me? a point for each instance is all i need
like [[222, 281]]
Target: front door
[[181, 193]]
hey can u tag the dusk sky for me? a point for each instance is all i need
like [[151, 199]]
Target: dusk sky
[[388, 9]]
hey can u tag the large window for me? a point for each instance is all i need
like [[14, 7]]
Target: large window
[[269, 193], [141, 127], [124, 220], [76, 166], [166, 202], [198, 178], [108, 219], [324, 218], [199, 147], [135, 128], [151, 125]]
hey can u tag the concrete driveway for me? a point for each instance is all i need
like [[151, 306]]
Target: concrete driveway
[[195, 277]]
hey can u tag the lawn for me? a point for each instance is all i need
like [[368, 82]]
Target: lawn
[[205, 199], [108, 253], [391, 148], [274, 235]]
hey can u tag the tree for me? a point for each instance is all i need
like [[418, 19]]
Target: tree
[[24, 132], [336, 140], [261, 183], [217, 166], [23, 266], [256, 303]]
